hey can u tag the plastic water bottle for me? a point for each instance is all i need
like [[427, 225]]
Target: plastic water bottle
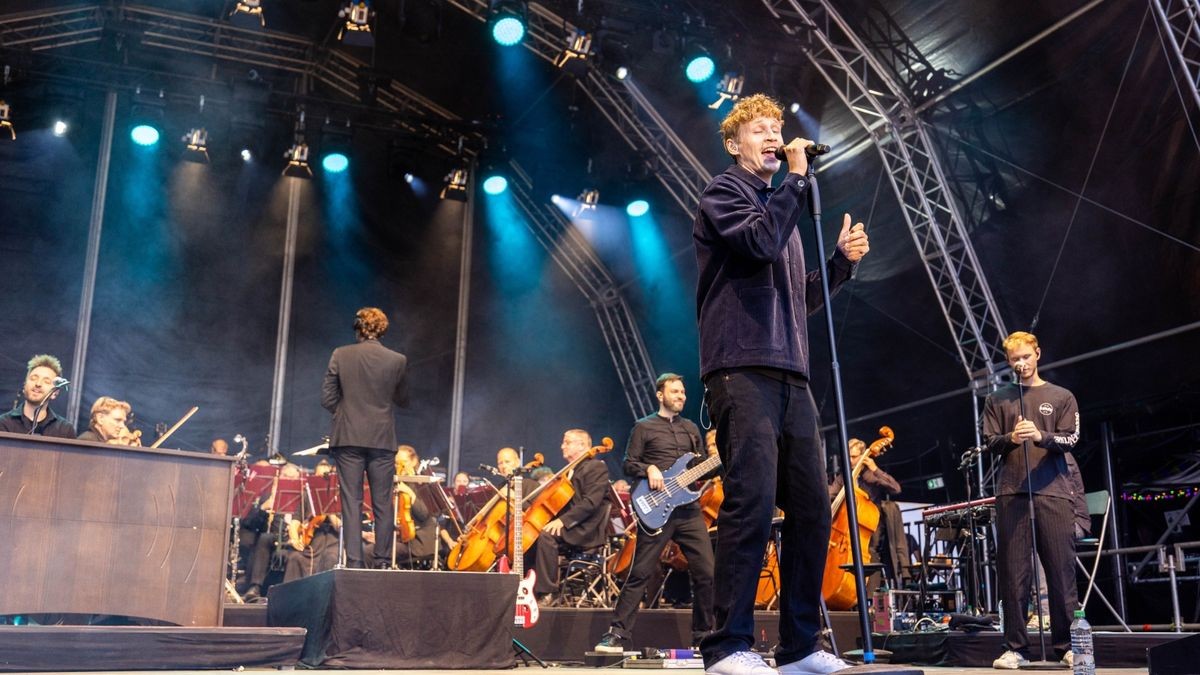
[[1081, 644]]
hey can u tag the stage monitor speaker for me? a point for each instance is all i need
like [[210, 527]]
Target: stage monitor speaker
[[1177, 657]]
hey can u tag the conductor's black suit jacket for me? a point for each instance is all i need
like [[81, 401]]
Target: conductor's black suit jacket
[[362, 383]]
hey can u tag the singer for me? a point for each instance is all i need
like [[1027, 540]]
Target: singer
[[362, 383], [41, 387], [1043, 418], [753, 297]]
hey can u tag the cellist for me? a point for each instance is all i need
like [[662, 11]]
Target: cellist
[[887, 541], [580, 523]]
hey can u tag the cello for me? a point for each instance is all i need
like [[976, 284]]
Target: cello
[[549, 498], [838, 586], [485, 537]]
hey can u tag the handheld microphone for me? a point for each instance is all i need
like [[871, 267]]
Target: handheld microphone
[[812, 151], [60, 382]]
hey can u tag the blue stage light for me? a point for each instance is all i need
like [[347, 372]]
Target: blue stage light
[[638, 207], [508, 30], [335, 162], [700, 68], [495, 185], [144, 134]]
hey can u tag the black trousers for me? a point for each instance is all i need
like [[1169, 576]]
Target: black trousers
[[768, 438], [319, 556], [545, 563], [1056, 550], [380, 468], [686, 528]]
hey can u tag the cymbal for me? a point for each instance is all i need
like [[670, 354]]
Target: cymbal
[[308, 452]]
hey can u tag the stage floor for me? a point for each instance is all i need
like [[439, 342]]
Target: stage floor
[[531, 670]]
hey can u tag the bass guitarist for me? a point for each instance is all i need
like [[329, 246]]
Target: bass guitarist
[[655, 444]]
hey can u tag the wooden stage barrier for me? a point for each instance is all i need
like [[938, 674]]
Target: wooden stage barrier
[[102, 529]]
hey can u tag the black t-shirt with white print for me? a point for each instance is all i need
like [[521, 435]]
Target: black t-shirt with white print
[[1053, 410]]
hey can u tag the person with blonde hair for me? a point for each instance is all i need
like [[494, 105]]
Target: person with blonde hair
[[43, 382], [108, 421], [1031, 426], [363, 382], [753, 297]]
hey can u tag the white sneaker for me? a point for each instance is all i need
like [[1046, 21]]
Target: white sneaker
[[740, 663], [816, 663], [1069, 659], [1009, 660]]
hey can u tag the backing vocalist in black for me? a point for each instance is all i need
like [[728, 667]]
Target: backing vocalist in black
[[41, 375]]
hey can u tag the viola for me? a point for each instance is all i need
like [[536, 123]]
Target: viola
[[549, 498], [484, 538], [838, 586], [406, 527], [127, 438]]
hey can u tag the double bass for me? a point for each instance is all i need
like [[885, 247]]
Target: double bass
[[838, 586]]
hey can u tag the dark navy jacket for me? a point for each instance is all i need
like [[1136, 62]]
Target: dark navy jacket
[[753, 296]]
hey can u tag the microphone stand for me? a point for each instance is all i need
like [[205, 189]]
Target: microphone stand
[[1042, 664], [814, 206], [45, 404]]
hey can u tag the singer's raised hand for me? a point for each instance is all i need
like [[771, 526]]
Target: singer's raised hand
[[852, 241]]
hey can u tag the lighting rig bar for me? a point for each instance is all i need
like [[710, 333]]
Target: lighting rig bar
[[621, 103], [578, 260], [202, 36], [51, 29], [881, 105]]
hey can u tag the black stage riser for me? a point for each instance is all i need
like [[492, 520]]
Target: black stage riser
[[87, 648], [1177, 657]]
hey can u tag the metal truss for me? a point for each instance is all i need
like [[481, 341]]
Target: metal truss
[[161, 29], [621, 102], [1180, 22], [577, 259], [880, 103], [50, 29]]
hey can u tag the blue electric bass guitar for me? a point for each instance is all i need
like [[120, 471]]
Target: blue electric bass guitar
[[654, 507]]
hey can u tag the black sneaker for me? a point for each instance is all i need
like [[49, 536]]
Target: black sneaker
[[611, 643]]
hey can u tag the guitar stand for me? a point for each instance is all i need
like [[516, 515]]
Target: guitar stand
[[522, 651]]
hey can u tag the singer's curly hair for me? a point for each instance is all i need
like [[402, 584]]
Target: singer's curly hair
[[749, 108], [1019, 338], [370, 323], [44, 360]]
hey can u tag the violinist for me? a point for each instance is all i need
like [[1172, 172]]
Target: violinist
[[655, 443], [42, 385], [421, 546], [888, 544], [580, 523], [107, 423], [259, 547]]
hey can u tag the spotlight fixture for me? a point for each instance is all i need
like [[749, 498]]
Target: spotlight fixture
[[61, 128], [495, 184], [248, 14], [356, 24], [146, 117], [297, 157], [507, 21], [196, 146], [409, 178], [6, 121], [698, 64], [456, 185], [579, 47], [730, 89], [638, 207], [247, 155], [622, 73], [335, 162], [794, 107], [588, 199]]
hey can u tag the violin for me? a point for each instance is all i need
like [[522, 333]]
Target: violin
[[484, 538], [838, 586], [126, 437]]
